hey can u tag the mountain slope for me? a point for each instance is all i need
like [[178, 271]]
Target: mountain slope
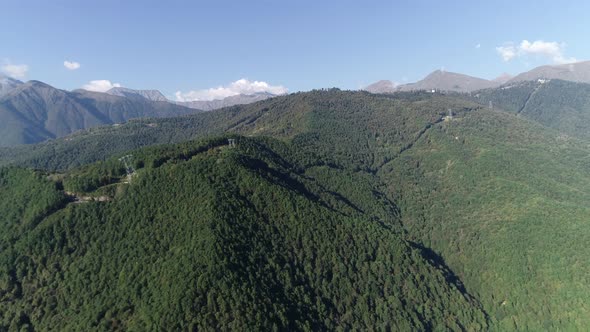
[[35, 111], [221, 238], [298, 116], [557, 104], [575, 72]]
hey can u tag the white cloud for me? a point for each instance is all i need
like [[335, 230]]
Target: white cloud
[[100, 85], [242, 86], [71, 65], [507, 52], [551, 50], [15, 71], [478, 45]]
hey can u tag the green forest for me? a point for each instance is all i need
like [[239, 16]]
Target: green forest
[[336, 210]]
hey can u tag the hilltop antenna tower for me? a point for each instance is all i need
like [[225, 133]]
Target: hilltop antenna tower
[[128, 167]]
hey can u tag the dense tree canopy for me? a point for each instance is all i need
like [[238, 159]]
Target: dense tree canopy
[[346, 210]]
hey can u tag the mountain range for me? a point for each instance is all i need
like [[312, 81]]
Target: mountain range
[[441, 80], [203, 105], [241, 99], [34, 111]]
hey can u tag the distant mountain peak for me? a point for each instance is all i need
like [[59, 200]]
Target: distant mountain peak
[[449, 81], [575, 72], [383, 86], [439, 79]]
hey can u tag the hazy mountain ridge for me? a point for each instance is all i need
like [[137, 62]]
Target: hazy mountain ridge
[[153, 95], [35, 111], [241, 99]]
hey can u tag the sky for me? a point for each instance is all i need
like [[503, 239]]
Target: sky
[[198, 50]]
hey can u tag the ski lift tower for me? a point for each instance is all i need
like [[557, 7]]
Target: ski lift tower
[[126, 160]]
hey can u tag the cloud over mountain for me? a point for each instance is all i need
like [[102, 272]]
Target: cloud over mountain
[[15, 71], [100, 85], [241, 86], [551, 50]]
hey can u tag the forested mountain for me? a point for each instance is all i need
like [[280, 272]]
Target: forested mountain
[[34, 111], [211, 237], [467, 217], [557, 104]]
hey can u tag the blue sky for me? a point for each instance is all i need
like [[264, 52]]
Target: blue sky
[[194, 45]]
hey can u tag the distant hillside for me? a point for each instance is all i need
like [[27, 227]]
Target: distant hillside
[[35, 111], [575, 72], [153, 95], [242, 99], [557, 104]]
